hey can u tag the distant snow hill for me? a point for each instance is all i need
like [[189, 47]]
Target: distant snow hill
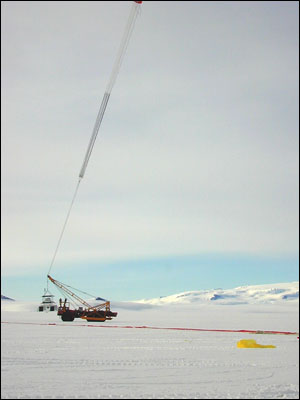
[[269, 293], [6, 298], [277, 293]]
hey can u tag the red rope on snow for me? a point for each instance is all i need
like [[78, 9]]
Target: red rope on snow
[[161, 328]]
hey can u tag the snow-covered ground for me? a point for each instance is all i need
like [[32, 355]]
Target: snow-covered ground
[[111, 360]]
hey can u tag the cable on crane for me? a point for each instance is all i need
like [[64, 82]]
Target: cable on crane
[[116, 67]]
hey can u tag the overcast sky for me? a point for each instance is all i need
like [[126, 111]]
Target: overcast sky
[[198, 151]]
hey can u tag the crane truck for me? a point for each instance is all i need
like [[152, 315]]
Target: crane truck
[[98, 313]]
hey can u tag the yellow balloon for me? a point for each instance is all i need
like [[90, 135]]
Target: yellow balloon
[[251, 344]]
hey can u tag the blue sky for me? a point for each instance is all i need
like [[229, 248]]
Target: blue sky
[[147, 278], [198, 152]]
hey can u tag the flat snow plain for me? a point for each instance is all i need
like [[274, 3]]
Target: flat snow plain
[[80, 360]]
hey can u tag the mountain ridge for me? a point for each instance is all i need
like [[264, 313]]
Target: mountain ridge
[[6, 298], [268, 293]]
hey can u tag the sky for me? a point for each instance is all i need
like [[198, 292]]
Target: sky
[[193, 182]]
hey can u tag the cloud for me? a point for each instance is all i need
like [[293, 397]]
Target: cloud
[[198, 150]]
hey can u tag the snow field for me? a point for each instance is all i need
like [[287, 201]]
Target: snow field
[[74, 360]]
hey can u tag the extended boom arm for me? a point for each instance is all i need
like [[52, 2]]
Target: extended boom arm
[[105, 305]]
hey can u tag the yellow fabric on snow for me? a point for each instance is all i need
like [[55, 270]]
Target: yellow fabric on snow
[[251, 344]]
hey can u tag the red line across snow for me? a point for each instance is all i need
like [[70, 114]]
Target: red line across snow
[[154, 327]]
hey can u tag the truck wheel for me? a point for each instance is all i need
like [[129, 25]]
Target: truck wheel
[[67, 317]]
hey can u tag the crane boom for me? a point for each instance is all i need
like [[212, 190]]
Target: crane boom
[[69, 292]]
